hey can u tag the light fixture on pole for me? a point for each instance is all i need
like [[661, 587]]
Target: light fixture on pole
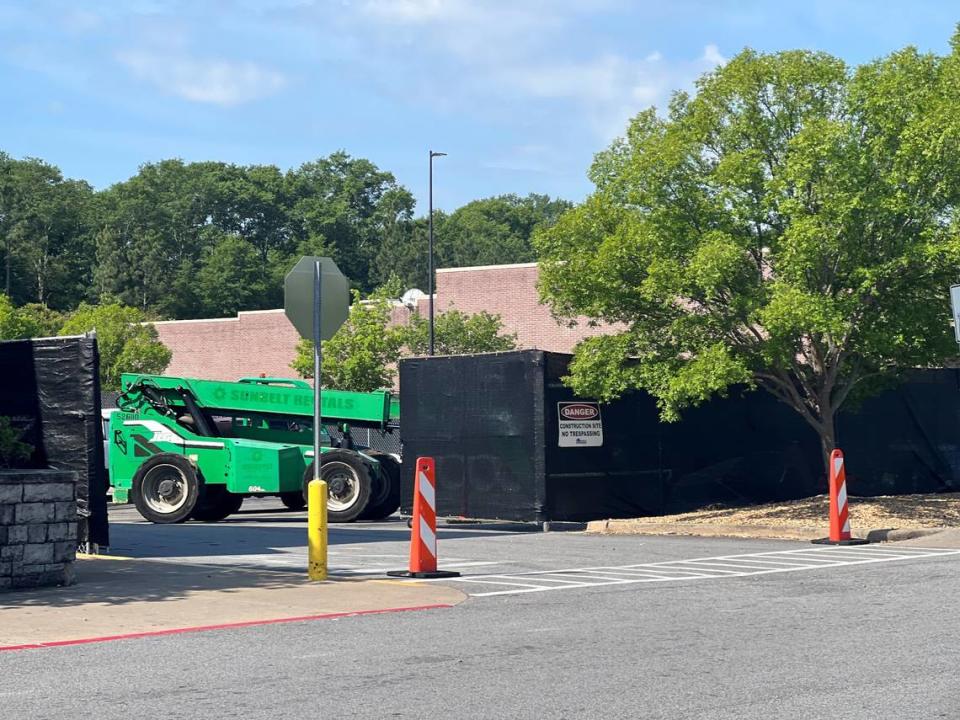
[[430, 251]]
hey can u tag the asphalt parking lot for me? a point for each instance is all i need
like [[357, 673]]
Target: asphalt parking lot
[[493, 558], [556, 625]]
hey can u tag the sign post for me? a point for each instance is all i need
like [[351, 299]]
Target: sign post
[[317, 295], [955, 308], [316, 301], [317, 490]]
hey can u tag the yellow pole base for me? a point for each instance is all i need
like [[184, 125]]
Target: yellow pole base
[[317, 530]]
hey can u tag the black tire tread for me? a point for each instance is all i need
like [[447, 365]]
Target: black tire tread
[[217, 504], [190, 474], [389, 502]]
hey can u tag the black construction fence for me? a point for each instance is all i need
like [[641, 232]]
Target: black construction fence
[[512, 442], [50, 390]]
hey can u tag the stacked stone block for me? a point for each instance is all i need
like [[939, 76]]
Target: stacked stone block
[[38, 528]]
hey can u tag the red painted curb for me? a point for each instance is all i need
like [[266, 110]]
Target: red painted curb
[[224, 626]]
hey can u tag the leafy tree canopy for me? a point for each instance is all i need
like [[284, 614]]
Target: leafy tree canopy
[[793, 226], [456, 333], [125, 343], [28, 321], [363, 354], [46, 233], [13, 451], [492, 231]]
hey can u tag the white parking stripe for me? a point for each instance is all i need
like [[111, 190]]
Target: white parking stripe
[[729, 566], [495, 580], [583, 576]]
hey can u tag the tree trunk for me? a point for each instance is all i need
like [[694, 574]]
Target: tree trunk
[[827, 437]]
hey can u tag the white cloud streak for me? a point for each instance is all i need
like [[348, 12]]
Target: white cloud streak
[[502, 51], [212, 81]]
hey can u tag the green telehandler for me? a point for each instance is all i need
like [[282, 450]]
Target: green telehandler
[[182, 448]]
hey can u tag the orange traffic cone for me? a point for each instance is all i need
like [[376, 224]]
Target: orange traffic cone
[[839, 507], [423, 540]]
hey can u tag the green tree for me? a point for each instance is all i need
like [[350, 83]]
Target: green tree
[[126, 344], [13, 451], [456, 333], [31, 320], [496, 230], [11, 327], [46, 233], [351, 205], [362, 354], [491, 231], [150, 237], [792, 227], [38, 320], [232, 277]]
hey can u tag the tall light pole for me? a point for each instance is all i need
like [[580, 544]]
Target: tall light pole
[[430, 250]]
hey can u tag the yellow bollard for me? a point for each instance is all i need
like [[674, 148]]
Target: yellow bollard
[[317, 530]]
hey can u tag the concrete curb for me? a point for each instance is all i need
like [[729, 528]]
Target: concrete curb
[[769, 532]]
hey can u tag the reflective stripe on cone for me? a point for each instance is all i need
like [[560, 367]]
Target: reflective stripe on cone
[[839, 508]]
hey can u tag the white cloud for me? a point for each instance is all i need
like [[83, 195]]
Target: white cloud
[[414, 11], [218, 82], [496, 55], [611, 88], [711, 55]]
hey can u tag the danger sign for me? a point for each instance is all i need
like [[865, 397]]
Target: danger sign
[[580, 424]]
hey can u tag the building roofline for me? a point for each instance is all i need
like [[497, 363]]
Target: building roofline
[[192, 320], [488, 267]]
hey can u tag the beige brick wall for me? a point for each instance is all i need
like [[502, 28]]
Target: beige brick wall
[[226, 349], [510, 291], [264, 341]]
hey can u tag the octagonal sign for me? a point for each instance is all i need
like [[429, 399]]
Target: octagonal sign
[[298, 297]]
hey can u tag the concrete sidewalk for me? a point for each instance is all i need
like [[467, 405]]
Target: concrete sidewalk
[[122, 597]]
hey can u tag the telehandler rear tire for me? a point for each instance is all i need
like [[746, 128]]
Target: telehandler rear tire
[[385, 500], [294, 500], [348, 484], [165, 489], [216, 504]]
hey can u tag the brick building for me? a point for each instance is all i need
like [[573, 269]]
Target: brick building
[[264, 341]]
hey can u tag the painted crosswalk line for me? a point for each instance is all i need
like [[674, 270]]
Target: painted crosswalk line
[[693, 569]]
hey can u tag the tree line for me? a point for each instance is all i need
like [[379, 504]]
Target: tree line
[[186, 240]]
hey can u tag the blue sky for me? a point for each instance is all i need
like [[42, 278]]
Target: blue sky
[[520, 93]]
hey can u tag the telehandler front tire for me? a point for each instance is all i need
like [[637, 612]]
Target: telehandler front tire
[[166, 489]]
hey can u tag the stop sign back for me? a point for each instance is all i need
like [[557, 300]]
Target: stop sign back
[[298, 297]]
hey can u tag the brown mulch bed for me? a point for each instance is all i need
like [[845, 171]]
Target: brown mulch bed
[[889, 511]]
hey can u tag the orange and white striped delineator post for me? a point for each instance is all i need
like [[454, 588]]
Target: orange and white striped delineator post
[[423, 540], [839, 507]]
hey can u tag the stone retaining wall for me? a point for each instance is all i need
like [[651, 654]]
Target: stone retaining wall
[[38, 528]]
